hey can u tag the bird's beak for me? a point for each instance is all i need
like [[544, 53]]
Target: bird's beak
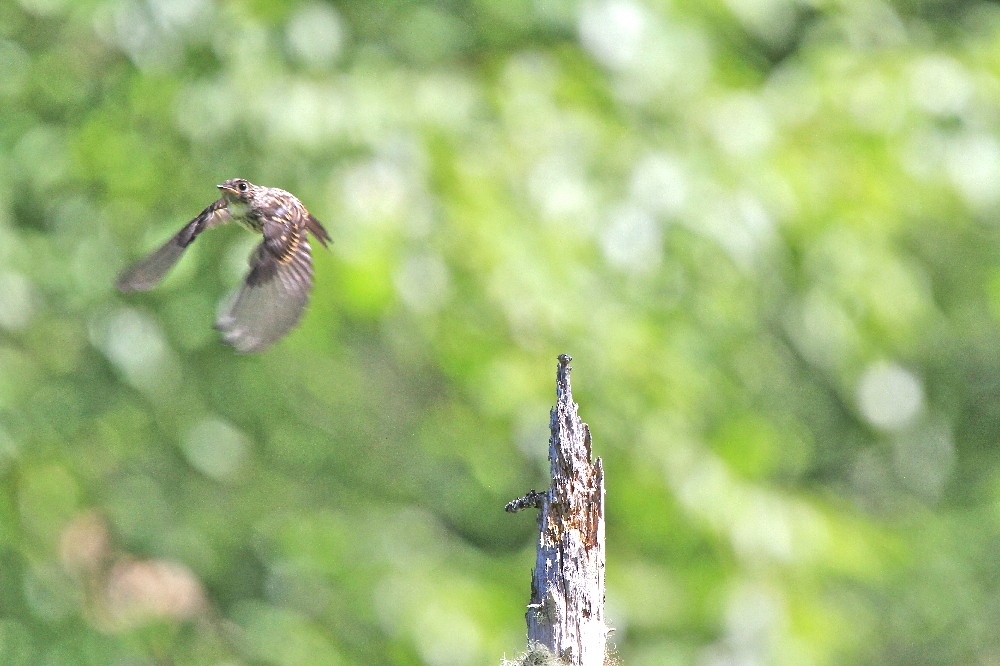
[[224, 188]]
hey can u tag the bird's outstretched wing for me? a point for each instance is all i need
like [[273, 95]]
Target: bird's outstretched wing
[[148, 273], [275, 292]]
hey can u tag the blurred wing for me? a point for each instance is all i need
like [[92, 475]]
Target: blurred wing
[[317, 230], [274, 294], [148, 273]]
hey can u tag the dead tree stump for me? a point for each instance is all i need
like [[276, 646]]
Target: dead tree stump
[[566, 613]]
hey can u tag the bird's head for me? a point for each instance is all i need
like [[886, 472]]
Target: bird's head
[[238, 190]]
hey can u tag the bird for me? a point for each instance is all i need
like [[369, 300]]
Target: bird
[[276, 289]]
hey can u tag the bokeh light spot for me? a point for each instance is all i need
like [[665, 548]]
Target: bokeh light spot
[[216, 448], [16, 301], [889, 395]]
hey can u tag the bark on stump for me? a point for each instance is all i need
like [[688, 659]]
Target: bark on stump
[[566, 613]]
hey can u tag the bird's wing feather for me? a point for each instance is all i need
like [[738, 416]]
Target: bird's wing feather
[[148, 272], [317, 229], [274, 293]]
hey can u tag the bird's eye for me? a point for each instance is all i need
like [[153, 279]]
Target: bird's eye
[[243, 187]]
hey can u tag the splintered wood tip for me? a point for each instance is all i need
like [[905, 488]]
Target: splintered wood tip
[[563, 388]]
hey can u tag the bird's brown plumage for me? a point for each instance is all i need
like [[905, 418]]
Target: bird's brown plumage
[[277, 286]]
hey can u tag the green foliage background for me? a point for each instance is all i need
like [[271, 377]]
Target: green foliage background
[[765, 229]]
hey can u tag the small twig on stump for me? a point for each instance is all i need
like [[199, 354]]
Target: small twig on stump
[[533, 500], [566, 613]]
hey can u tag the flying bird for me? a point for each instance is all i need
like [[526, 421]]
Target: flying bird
[[276, 289]]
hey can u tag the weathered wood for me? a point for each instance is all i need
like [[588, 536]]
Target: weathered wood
[[566, 613]]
